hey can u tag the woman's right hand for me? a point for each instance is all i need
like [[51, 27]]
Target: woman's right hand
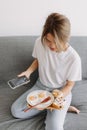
[[25, 73]]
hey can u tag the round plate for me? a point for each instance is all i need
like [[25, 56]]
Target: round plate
[[38, 96]]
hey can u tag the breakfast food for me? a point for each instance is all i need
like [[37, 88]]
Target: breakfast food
[[56, 106], [59, 101], [41, 95], [57, 93], [44, 100], [40, 99], [31, 98]]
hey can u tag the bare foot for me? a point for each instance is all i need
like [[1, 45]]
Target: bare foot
[[73, 109]]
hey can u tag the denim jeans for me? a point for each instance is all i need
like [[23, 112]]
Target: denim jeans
[[54, 119]]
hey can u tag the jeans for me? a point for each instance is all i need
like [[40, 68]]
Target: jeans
[[54, 119]]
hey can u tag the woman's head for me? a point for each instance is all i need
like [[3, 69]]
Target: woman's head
[[57, 27]]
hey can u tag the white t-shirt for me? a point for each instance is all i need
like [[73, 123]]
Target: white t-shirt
[[56, 68]]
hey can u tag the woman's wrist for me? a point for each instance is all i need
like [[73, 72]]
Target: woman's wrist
[[65, 92], [29, 71]]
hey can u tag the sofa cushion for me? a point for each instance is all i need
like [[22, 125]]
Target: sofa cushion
[[79, 97], [15, 55]]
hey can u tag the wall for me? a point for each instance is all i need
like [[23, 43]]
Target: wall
[[26, 17]]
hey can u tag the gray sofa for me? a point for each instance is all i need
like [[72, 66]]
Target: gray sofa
[[15, 57]]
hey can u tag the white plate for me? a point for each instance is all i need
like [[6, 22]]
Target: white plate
[[37, 96]]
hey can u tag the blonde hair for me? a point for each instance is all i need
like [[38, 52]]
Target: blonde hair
[[57, 25]]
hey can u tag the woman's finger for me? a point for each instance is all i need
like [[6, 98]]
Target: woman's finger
[[22, 74]]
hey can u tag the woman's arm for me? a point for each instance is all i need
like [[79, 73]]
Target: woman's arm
[[33, 66], [30, 69], [67, 88]]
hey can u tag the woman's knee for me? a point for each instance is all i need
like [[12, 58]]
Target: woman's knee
[[19, 113], [54, 121], [14, 111], [53, 126]]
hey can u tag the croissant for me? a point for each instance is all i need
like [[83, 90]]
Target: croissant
[[56, 106]]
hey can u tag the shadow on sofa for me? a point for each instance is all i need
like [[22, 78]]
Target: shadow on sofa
[[15, 57]]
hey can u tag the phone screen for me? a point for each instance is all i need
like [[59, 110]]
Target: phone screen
[[18, 81]]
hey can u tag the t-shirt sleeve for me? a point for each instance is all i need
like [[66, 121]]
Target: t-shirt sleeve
[[75, 71], [34, 53]]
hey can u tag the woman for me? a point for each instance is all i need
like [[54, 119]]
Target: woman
[[59, 67]]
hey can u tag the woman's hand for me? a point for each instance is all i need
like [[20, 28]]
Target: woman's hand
[[25, 73], [58, 94]]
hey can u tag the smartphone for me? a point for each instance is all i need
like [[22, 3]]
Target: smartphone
[[18, 81]]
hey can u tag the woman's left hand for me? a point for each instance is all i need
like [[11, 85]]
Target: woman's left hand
[[58, 94]]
